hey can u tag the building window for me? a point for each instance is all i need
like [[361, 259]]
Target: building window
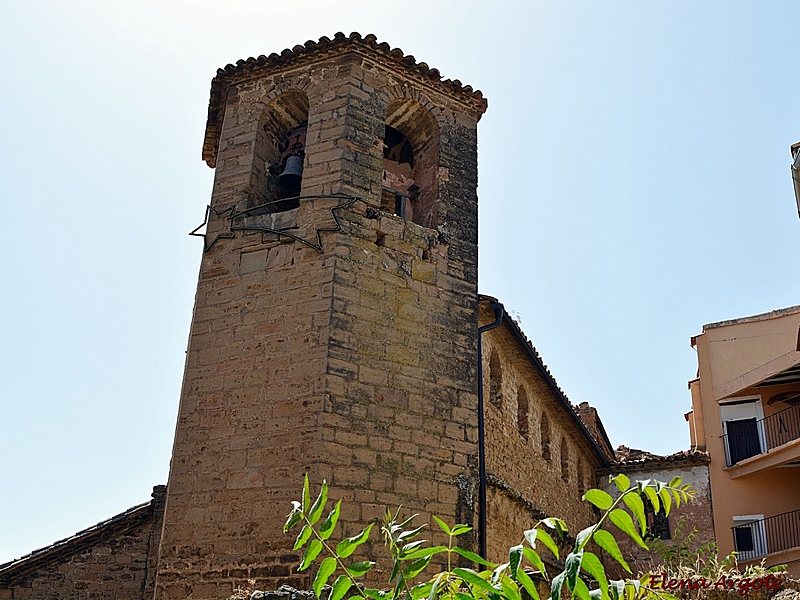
[[277, 173], [749, 536], [545, 434], [743, 428], [495, 379], [657, 522], [581, 476], [409, 183], [564, 460], [522, 412]]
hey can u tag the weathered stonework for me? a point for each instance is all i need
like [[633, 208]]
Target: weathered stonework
[[337, 335], [115, 559], [354, 364], [524, 484], [692, 468]]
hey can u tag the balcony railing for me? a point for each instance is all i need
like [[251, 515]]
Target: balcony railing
[[752, 437], [766, 536]]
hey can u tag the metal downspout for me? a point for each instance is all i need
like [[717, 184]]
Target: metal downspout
[[796, 177], [498, 313]]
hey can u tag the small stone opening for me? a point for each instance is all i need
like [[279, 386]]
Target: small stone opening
[[277, 176], [522, 412], [410, 163], [495, 379], [564, 460], [545, 435]]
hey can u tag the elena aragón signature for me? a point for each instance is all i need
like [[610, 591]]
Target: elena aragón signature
[[725, 582]]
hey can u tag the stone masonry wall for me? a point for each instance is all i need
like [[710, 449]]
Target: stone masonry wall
[[116, 562], [694, 515], [355, 364], [525, 486]]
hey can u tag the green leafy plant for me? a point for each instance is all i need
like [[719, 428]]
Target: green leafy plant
[[583, 575], [682, 556]]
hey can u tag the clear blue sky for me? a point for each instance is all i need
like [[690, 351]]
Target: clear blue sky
[[634, 184]]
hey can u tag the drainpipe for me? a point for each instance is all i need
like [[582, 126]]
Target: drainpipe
[[796, 174], [498, 313]]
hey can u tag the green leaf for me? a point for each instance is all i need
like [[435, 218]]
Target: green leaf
[[435, 585], [531, 535], [498, 572], [675, 482], [599, 498], [514, 559], [360, 568], [653, 497], [306, 494], [461, 529], [666, 500], [302, 538], [463, 596], [555, 587], [408, 534], [581, 591], [545, 538], [423, 552], [326, 569], [374, 594], [293, 518], [580, 540], [535, 560], [592, 565], [528, 584], [572, 567], [340, 587], [472, 556], [420, 591], [473, 578], [329, 524], [554, 523], [617, 589], [624, 521], [510, 590], [442, 525], [634, 502], [409, 548], [348, 545], [319, 504], [413, 568], [607, 542], [622, 482], [313, 550]]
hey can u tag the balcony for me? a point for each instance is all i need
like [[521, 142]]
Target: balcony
[[749, 438], [758, 538]]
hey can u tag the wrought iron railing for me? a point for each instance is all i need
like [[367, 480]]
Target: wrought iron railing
[[767, 536], [762, 435]]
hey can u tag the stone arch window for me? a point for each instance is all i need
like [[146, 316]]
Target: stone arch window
[[280, 152], [581, 476], [522, 412], [564, 460], [495, 379], [545, 435], [409, 180]]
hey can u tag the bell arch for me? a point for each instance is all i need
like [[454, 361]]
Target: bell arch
[[410, 162], [280, 152]]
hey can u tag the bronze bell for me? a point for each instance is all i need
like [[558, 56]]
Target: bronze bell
[[292, 173]]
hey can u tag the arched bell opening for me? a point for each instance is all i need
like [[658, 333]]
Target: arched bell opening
[[410, 163], [280, 152]]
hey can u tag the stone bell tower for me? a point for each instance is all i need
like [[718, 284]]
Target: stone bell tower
[[335, 322]]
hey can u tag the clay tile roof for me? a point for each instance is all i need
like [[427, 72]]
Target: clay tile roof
[[256, 67], [632, 457], [536, 360], [77, 542]]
